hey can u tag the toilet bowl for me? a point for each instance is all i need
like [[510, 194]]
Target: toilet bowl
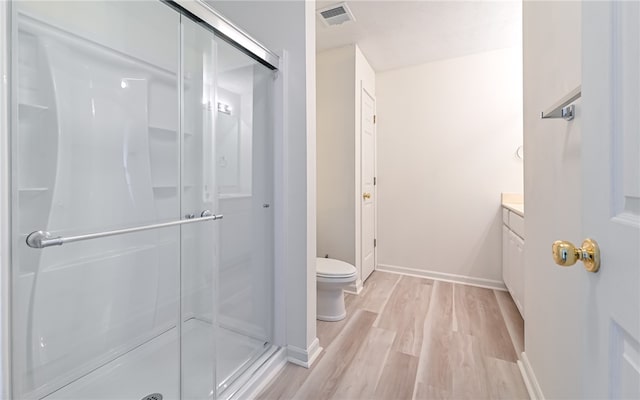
[[332, 276]]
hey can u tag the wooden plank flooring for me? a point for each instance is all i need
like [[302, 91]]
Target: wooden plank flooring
[[413, 338]]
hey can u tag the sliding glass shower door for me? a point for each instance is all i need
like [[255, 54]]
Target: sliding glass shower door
[[226, 167], [133, 128], [244, 176]]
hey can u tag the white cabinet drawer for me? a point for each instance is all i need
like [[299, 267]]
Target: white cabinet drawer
[[505, 216], [516, 223]]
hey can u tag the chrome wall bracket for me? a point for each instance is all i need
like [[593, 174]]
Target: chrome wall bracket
[[568, 112], [42, 239]]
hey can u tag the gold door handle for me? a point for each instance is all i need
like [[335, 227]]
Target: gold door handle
[[366, 196], [566, 254]]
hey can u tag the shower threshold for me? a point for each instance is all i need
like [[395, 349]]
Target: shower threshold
[[154, 367]]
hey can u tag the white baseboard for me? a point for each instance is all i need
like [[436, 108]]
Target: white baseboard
[[355, 287], [265, 373], [529, 377], [441, 276], [302, 357]]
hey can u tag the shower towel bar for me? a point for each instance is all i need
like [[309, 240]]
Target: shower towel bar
[[42, 239], [563, 107]]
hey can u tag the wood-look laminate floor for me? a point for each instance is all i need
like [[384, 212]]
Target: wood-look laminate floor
[[413, 338]]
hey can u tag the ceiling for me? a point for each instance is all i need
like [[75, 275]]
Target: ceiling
[[395, 34]]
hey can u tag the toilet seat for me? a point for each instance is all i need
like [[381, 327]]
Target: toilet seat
[[329, 268]]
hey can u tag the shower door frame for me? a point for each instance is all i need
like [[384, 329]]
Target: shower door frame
[[194, 9], [5, 205], [202, 12]]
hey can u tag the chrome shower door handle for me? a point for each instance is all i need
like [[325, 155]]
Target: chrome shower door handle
[[42, 239]]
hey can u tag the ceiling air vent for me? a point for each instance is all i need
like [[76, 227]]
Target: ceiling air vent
[[335, 14]]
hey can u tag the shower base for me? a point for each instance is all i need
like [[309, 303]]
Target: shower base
[[154, 367]]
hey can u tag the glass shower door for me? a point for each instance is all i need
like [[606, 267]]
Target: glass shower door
[[95, 148], [199, 241], [244, 177], [227, 277]]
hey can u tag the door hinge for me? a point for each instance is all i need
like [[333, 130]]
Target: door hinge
[[374, 118], [375, 242], [374, 181]]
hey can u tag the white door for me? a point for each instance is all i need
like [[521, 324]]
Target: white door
[[611, 196], [368, 193]]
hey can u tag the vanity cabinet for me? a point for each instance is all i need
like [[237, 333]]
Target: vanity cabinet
[[513, 256]]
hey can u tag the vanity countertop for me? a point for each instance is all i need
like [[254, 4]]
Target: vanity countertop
[[513, 202], [517, 208]]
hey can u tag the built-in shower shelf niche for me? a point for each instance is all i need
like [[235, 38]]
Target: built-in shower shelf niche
[[36, 140], [165, 200], [30, 108], [167, 189], [27, 195], [163, 153], [34, 190], [161, 133], [30, 63], [170, 188], [31, 192], [164, 157], [166, 133]]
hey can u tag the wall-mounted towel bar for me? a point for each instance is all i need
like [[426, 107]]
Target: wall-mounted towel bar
[[563, 107]]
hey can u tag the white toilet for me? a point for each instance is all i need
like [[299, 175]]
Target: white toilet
[[332, 276]]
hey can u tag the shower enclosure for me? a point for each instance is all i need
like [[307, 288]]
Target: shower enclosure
[[142, 226]]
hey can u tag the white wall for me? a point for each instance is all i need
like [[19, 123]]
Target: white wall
[[290, 27], [335, 153], [447, 136], [552, 183], [342, 73]]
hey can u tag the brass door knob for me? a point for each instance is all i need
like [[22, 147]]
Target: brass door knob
[[366, 196], [566, 254]]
